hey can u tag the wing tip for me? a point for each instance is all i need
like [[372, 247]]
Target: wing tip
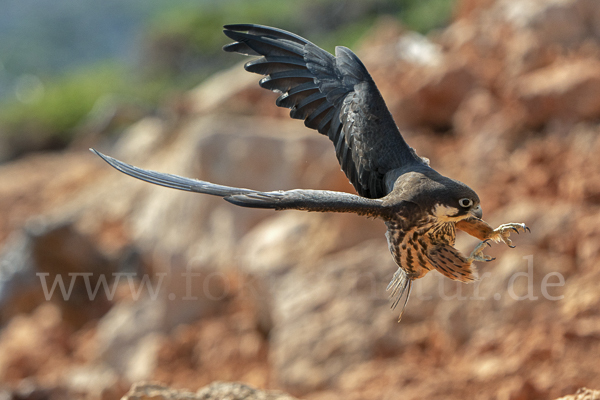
[[102, 156], [240, 27]]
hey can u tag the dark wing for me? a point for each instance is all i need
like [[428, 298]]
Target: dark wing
[[308, 200], [334, 95]]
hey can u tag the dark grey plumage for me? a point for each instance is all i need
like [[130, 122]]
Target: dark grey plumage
[[308, 200], [336, 96]]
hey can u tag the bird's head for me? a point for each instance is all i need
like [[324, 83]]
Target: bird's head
[[447, 199], [455, 201]]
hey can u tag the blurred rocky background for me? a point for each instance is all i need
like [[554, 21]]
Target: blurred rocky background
[[106, 281]]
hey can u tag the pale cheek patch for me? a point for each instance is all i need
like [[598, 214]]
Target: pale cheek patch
[[445, 213]]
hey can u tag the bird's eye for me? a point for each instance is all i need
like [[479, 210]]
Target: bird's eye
[[466, 202]]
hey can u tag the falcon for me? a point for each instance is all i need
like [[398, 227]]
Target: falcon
[[336, 96]]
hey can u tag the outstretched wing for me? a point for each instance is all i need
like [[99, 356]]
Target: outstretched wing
[[334, 95], [308, 200]]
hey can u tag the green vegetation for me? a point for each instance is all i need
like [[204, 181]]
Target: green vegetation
[[425, 15], [182, 46], [66, 101]]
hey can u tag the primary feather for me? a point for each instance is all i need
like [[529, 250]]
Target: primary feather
[[334, 95]]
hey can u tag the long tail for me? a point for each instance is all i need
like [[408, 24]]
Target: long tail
[[400, 284]]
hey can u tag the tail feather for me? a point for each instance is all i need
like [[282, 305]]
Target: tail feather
[[400, 284]]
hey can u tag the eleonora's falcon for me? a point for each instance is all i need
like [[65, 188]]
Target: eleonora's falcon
[[336, 96]]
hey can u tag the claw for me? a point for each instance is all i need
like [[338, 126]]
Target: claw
[[477, 253], [527, 229], [502, 233]]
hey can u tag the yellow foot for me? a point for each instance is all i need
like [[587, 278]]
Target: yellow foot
[[502, 233], [477, 253]]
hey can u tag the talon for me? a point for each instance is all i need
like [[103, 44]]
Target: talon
[[502, 233], [477, 253]]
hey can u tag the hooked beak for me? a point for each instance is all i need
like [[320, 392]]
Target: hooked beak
[[477, 212]]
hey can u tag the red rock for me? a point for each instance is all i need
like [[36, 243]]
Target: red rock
[[513, 85], [569, 90]]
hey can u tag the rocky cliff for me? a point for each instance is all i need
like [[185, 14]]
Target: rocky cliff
[[187, 289]]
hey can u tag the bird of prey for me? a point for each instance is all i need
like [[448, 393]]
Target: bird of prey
[[336, 96]]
